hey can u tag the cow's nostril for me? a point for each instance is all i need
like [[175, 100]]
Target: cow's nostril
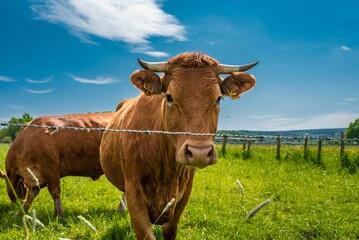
[[189, 154], [210, 154]]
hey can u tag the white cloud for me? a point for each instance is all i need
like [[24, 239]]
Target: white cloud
[[340, 119], [328, 120], [155, 53], [347, 101], [6, 79], [207, 41], [14, 106], [39, 91], [130, 21], [344, 48], [99, 80], [46, 80], [148, 50]]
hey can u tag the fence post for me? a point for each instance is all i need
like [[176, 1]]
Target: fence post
[[225, 138], [342, 148], [306, 146], [278, 148], [319, 158], [244, 144], [249, 146]]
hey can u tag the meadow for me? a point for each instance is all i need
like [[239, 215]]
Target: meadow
[[307, 200]]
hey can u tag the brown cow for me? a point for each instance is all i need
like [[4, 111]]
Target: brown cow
[[51, 154], [154, 168]]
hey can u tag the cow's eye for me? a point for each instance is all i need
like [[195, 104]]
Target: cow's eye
[[218, 101], [169, 98]]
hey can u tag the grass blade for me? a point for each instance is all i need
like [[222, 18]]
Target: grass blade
[[87, 222], [256, 209]]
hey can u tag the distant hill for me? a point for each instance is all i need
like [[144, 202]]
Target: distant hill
[[316, 133]]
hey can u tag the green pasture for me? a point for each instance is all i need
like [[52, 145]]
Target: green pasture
[[309, 199]]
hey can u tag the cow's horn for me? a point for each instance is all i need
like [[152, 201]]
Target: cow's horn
[[153, 66], [227, 69]]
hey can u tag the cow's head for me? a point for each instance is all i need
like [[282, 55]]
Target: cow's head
[[15, 183], [192, 90]]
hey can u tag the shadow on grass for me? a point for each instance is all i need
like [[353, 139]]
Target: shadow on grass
[[117, 232], [8, 215]]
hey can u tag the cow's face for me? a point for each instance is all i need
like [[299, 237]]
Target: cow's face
[[192, 90]]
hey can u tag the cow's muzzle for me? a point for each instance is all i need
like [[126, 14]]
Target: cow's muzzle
[[197, 154]]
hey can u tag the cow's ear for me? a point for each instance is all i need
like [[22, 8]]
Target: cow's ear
[[237, 83], [147, 81]]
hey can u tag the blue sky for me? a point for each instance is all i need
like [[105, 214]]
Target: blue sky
[[66, 56]]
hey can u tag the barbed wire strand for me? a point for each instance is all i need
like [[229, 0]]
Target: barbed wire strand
[[148, 131], [56, 128]]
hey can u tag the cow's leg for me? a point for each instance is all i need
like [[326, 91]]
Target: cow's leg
[[55, 191], [169, 230], [139, 214], [31, 193]]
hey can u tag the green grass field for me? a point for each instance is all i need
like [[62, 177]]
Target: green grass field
[[308, 200]]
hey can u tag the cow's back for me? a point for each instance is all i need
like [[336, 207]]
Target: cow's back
[[70, 152], [79, 149]]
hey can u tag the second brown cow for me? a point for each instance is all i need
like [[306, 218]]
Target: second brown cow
[[51, 154]]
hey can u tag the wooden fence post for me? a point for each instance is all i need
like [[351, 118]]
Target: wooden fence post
[[278, 148], [342, 148], [225, 138], [244, 144], [249, 146], [319, 158], [306, 146]]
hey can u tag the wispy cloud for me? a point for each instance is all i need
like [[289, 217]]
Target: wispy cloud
[[327, 120], [39, 91], [148, 50], [13, 106], [7, 79], [273, 122], [99, 80], [207, 41], [344, 48], [347, 101], [129, 21], [46, 80], [155, 53]]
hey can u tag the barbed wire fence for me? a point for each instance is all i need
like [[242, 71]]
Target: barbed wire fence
[[246, 140], [230, 137], [146, 131]]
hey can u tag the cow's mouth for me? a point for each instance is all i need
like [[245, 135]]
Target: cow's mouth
[[196, 166]]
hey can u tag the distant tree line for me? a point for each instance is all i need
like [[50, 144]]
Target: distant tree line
[[8, 134]]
